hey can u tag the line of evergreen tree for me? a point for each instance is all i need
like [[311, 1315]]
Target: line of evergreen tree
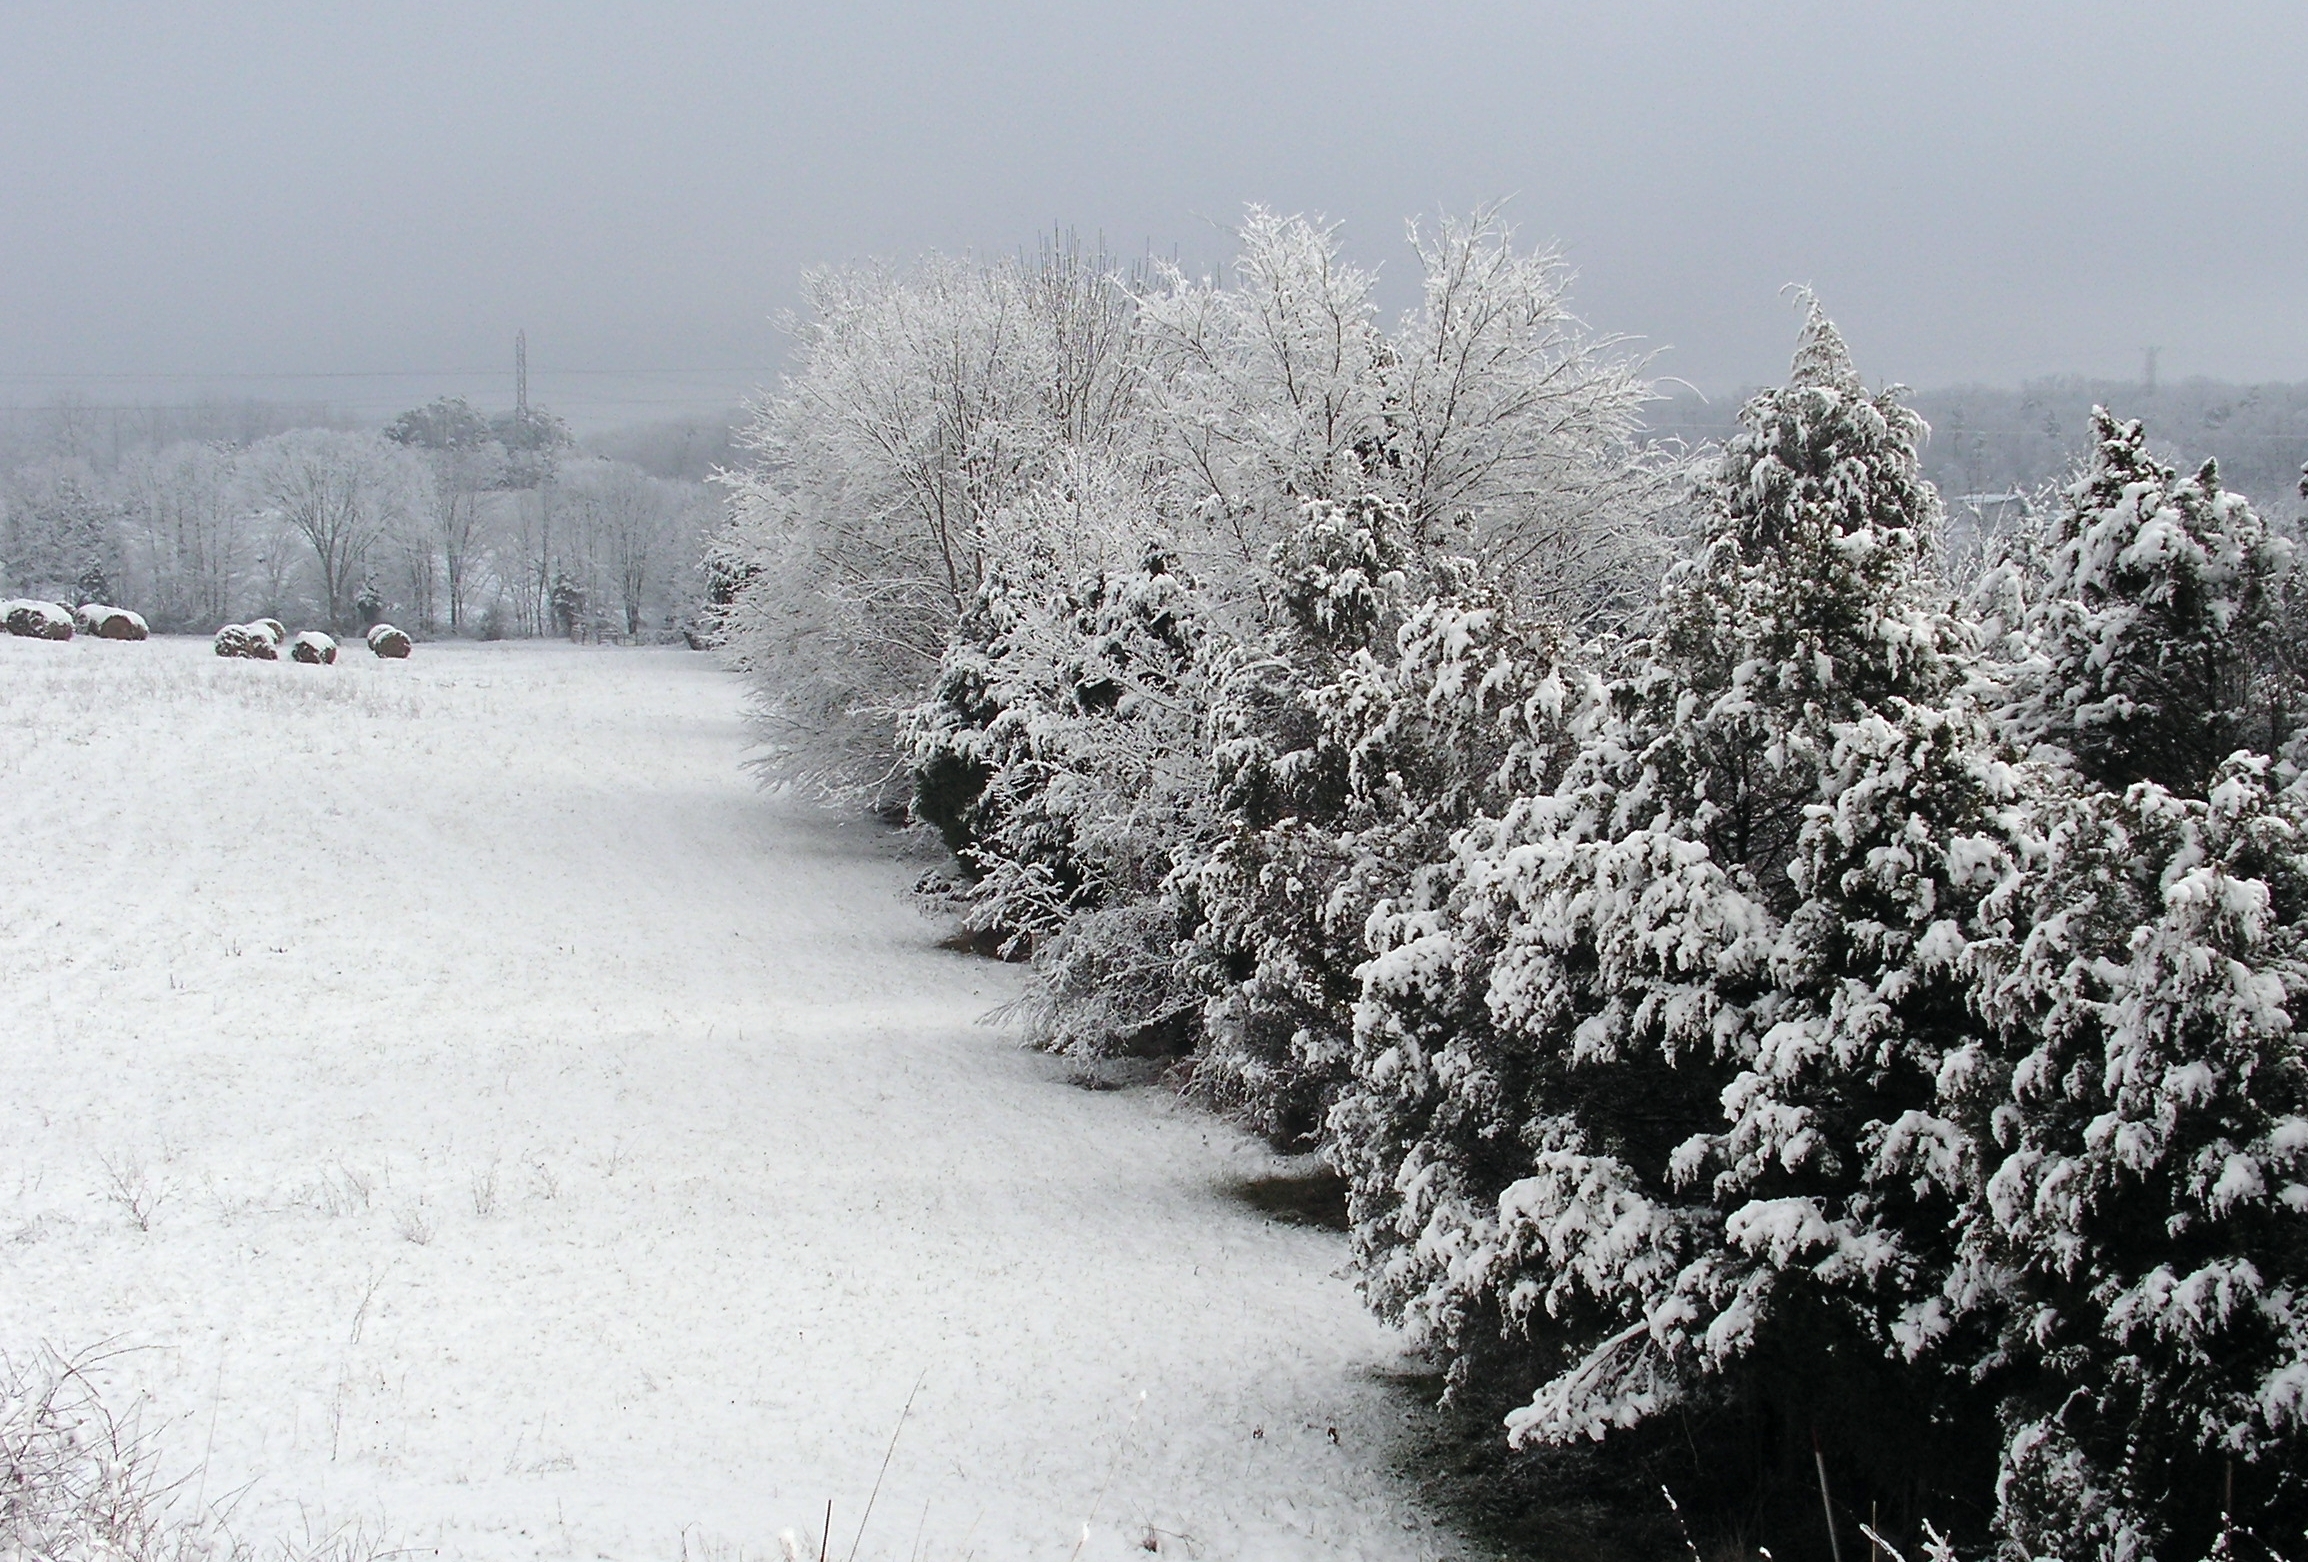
[[1825, 1037]]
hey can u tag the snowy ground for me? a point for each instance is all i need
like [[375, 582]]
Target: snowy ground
[[487, 1118]]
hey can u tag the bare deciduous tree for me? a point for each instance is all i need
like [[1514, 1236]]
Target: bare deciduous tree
[[338, 491], [192, 540], [925, 402]]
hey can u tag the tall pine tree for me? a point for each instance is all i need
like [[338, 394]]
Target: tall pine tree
[[1644, 1113]]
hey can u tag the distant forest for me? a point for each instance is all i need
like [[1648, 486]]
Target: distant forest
[[1987, 441], [447, 519], [104, 434]]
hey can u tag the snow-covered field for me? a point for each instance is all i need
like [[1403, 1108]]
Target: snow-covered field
[[483, 1116]]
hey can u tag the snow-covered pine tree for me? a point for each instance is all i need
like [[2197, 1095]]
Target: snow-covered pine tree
[[1266, 904], [1643, 1097], [1391, 700], [1059, 757], [2158, 627], [2140, 1103], [2139, 1100]]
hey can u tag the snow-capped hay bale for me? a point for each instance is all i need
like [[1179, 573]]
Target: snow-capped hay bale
[[389, 642], [246, 640], [312, 648], [38, 620], [272, 628], [111, 623]]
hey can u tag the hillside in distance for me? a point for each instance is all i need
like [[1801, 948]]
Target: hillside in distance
[[1994, 440]]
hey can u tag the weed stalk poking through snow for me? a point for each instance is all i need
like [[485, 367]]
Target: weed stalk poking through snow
[[1112, 1465], [78, 1481], [887, 1454], [128, 1185]]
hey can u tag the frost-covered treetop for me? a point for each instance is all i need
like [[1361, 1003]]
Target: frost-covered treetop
[[1821, 359], [2156, 614], [1813, 583]]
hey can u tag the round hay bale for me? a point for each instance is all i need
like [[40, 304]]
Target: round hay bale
[[389, 642], [38, 620], [272, 627], [313, 648], [111, 623], [246, 640]]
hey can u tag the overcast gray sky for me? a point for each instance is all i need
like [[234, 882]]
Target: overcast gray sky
[[196, 198]]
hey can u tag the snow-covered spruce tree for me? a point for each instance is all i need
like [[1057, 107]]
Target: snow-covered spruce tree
[[2159, 625], [1643, 1103], [1390, 702], [2138, 1098]]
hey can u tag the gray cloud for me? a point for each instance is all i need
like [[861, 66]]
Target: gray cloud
[[1979, 192]]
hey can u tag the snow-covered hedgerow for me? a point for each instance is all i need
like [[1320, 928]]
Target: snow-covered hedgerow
[[1814, 1003]]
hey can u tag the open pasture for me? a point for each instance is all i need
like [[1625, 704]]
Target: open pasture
[[467, 1108]]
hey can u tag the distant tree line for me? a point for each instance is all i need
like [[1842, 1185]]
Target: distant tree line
[[1803, 1014], [1986, 442], [447, 520]]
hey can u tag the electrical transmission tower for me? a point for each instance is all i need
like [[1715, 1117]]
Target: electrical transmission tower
[[521, 377]]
